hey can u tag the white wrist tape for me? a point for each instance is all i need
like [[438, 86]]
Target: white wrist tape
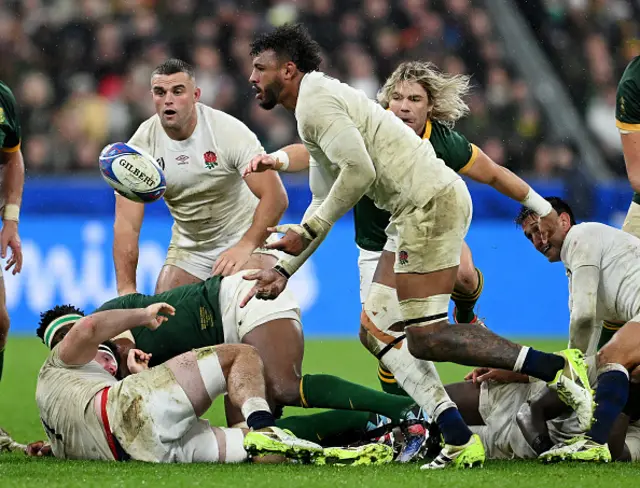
[[11, 212], [535, 202], [282, 160]]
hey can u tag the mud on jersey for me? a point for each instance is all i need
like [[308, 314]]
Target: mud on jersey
[[450, 146]]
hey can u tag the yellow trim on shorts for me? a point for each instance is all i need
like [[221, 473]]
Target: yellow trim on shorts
[[384, 372], [472, 159], [303, 400], [11, 149], [626, 126]]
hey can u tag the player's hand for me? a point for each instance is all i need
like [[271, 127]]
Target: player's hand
[[157, 314], [268, 286], [39, 449], [547, 225], [296, 239], [9, 238], [233, 259], [137, 360], [259, 164], [480, 375]]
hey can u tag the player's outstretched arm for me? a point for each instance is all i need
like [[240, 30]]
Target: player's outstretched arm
[[80, 345], [290, 159], [485, 170], [126, 234]]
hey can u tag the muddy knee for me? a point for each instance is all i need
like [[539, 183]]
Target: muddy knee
[[285, 391]]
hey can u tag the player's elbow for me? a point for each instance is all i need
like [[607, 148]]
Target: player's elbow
[[366, 177], [634, 180]]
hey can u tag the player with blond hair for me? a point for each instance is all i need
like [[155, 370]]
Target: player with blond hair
[[359, 148]]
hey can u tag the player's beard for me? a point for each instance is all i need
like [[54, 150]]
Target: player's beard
[[270, 95]]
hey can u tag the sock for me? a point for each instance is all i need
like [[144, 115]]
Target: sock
[[320, 427], [453, 428], [257, 413], [541, 444], [326, 391], [466, 302], [260, 420], [1, 362], [388, 382], [611, 396], [541, 365]]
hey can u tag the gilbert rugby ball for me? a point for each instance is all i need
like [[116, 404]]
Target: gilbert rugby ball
[[132, 172]]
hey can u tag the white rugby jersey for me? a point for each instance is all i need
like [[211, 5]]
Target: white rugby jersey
[[211, 205], [616, 257], [408, 172], [64, 395]]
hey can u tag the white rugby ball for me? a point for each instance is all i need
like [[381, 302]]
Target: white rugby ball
[[132, 172]]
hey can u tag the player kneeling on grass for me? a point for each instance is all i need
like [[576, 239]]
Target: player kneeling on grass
[[153, 415], [603, 268]]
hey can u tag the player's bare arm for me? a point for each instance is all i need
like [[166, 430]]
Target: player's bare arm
[[290, 159], [126, 235], [485, 170], [273, 202], [12, 187], [80, 345]]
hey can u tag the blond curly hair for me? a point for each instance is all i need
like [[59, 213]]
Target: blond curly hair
[[445, 91]]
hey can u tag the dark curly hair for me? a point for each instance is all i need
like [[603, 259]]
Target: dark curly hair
[[50, 315], [290, 42]]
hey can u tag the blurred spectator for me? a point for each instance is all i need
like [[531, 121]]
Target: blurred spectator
[[81, 68]]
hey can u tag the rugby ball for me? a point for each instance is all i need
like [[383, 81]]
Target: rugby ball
[[132, 172]]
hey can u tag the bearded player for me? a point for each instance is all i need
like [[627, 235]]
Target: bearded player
[[429, 102], [361, 148], [11, 198]]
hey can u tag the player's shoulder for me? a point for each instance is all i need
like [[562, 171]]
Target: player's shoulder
[[589, 232], [632, 71], [220, 121], [6, 93]]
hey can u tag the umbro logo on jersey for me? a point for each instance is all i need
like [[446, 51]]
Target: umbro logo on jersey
[[160, 161], [182, 159], [210, 160]]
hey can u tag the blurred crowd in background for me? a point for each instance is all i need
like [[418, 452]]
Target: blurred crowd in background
[[81, 68]]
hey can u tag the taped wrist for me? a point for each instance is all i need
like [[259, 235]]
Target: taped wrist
[[536, 203]]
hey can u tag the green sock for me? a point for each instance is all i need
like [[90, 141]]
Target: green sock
[[322, 426], [1, 362], [465, 301], [388, 383], [326, 391]]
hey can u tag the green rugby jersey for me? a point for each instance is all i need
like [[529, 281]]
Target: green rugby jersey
[[450, 146], [628, 102], [10, 132], [196, 323]]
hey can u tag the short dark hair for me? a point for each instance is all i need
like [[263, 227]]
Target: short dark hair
[[293, 42], [558, 204], [173, 66], [50, 315]]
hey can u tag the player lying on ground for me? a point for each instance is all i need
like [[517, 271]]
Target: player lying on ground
[[603, 267], [429, 102], [154, 414], [361, 148], [208, 314], [12, 182]]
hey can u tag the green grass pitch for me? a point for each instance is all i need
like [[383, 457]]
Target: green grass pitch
[[18, 414]]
